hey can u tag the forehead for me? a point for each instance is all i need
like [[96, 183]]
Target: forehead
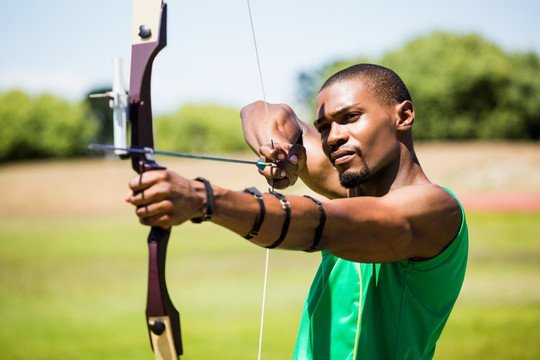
[[343, 94]]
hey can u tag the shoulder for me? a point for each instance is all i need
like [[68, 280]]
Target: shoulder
[[421, 195], [433, 213], [426, 197]]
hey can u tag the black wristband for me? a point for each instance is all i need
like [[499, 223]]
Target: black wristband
[[209, 202], [262, 212], [319, 230], [287, 207]]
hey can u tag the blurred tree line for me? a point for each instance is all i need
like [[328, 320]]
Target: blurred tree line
[[463, 87], [193, 128], [42, 127], [46, 127]]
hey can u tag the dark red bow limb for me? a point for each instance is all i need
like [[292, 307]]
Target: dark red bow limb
[[149, 37]]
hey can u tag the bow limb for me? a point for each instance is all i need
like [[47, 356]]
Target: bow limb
[[149, 37]]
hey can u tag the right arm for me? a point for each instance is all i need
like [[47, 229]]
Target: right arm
[[296, 148]]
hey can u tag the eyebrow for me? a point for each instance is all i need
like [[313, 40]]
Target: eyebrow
[[336, 113]]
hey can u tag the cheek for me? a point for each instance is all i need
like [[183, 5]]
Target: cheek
[[385, 148], [362, 132], [324, 145], [373, 140], [375, 130]]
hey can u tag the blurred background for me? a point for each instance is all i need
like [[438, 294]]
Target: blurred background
[[73, 256]]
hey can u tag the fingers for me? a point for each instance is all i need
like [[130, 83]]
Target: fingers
[[280, 183], [154, 209], [162, 198], [156, 214], [297, 156], [273, 152], [273, 173], [147, 179], [152, 186], [149, 196], [157, 192], [290, 159]]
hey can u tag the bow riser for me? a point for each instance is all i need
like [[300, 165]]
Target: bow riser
[[149, 37], [143, 53]]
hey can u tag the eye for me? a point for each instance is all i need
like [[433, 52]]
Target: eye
[[322, 128], [349, 117]]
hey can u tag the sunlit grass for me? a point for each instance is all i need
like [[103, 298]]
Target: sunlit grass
[[498, 313], [75, 288]]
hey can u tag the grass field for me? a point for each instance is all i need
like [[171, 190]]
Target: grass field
[[73, 272]]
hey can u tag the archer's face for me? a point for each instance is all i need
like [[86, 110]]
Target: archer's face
[[358, 134]]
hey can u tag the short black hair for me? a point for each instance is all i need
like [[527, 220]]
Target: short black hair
[[384, 83]]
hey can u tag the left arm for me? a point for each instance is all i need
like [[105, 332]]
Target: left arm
[[416, 221]]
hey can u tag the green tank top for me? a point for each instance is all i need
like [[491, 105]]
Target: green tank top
[[381, 311]]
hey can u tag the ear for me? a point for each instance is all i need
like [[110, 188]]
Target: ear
[[405, 113]]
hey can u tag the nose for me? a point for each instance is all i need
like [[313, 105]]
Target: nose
[[337, 135]]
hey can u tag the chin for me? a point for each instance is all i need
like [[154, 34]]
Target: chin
[[350, 179]]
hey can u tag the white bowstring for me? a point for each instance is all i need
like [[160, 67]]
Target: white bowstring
[[272, 143], [260, 73], [263, 303]]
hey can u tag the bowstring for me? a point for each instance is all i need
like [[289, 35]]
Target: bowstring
[[272, 144], [260, 74]]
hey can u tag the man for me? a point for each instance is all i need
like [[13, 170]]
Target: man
[[394, 245]]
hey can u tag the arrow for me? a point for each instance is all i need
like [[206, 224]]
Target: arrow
[[261, 165]]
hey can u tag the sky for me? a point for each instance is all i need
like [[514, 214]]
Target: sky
[[65, 47]]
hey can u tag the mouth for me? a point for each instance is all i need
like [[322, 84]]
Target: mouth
[[341, 156]]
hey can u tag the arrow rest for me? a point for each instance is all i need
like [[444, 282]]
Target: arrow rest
[[119, 103]]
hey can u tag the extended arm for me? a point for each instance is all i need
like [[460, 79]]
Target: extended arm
[[412, 222]]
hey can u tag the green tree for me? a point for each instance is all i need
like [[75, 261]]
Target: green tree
[[42, 127], [199, 128], [464, 87]]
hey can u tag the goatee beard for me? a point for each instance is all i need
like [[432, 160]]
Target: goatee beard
[[350, 180]]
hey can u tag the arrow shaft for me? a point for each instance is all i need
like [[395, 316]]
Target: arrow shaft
[[182, 155]]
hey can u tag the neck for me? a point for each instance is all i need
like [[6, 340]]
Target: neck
[[403, 170]]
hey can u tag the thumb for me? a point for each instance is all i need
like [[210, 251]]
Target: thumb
[[297, 155]]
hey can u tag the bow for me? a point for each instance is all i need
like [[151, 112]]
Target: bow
[[149, 36]]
